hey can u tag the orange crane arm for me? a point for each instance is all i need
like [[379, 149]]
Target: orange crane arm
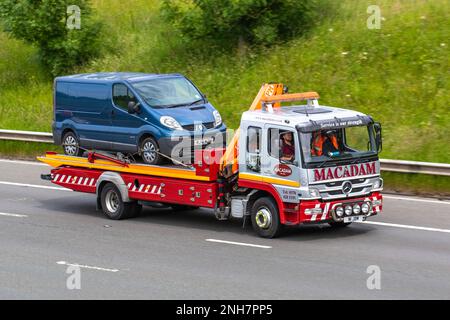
[[229, 161]]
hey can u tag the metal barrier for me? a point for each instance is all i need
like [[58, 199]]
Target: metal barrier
[[401, 166], [28, 136]]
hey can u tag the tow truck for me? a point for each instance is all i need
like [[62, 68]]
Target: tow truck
[[250, 178]]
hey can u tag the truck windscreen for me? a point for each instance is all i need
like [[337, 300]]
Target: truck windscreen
[[331, 145]]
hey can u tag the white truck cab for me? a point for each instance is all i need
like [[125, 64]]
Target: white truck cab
[[319, 163]]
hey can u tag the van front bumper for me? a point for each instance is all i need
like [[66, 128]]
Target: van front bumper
[[182, 145]]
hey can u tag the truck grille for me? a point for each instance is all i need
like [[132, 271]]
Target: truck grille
[[333, 190]]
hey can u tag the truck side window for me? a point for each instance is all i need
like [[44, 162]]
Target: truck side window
[[282, 145], [122, 96], [253, 158]]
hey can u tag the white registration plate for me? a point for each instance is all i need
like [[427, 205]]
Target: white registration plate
[[354, 219], [201, 142]]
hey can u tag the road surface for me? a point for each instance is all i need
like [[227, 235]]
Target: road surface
[[46, 231]]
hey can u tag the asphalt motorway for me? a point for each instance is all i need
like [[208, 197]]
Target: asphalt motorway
[[46, 231]]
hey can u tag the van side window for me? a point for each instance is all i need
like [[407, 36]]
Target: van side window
[[122, 96], [254, 149]]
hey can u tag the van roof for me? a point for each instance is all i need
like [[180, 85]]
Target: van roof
[[113, 76]]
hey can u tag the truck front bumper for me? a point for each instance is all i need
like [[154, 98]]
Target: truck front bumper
[[319, 211]]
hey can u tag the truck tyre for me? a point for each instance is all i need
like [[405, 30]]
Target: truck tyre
[[114, 207], [149, 151], [71, 145], [339, 224], [265, 218]]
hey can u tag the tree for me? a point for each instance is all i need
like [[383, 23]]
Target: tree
[[233, 21], [53, 28]]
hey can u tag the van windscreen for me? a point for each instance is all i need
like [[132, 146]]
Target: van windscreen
[[168, 92]]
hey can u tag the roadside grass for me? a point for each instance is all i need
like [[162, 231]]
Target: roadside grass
[[416, 184], [399, 74], [25, 150]]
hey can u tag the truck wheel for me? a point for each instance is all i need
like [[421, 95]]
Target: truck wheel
[[113, 206], [71, 145], [149, 151], [265, 218], [339, 224]]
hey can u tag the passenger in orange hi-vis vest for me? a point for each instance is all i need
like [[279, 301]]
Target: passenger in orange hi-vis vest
[[324, 143]]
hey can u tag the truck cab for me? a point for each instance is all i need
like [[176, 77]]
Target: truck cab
[[317, 164]]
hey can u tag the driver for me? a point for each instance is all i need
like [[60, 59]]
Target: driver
[[287, 147], [323, 143]]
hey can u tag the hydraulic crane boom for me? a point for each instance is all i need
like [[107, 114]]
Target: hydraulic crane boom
[[229, 162]]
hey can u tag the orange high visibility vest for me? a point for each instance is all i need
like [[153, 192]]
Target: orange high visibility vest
[[318, 144]]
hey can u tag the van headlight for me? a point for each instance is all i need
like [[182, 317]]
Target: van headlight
[[170, 123], [217, 118]]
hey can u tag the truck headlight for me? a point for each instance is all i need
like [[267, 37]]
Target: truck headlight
[[170, 123], [339, 211], [348, 210], [356, 209], [378, 183], [314, 193], [365, 207], [217, 118]]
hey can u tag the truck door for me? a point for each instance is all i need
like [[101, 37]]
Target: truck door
[[280, 161]]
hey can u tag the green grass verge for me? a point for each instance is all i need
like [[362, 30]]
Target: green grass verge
[[25, 150], [421, 184]]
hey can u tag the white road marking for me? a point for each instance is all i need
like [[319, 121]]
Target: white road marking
[[32, 163], [86, 267], [33, 186], [239, 243], [416, 199], [13, 215], [404, 226]]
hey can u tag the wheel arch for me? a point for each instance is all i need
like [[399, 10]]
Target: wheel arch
[[261, 189], [114, 178]]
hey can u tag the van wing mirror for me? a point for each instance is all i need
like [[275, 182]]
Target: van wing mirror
[[378, 136], [133, 107]]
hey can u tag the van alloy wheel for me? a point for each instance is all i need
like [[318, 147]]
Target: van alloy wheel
[[149, 151], [71, 146]]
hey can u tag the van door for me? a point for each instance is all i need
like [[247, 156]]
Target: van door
[[90, 114], [125, 126], [281, 160]]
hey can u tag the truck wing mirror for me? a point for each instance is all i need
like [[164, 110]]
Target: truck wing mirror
[[378, 136]]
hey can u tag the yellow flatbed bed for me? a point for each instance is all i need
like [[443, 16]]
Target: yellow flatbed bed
[[58, 160]]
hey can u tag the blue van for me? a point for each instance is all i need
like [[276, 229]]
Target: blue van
[[132, 113]]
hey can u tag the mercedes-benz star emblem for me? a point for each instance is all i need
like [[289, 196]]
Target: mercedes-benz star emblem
[[347, 187]]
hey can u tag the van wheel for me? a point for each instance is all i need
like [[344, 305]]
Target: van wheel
[[71, 145], [149, 151], [114, 207], [265, 218]]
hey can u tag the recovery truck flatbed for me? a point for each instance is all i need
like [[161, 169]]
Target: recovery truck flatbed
[[249, 178]]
